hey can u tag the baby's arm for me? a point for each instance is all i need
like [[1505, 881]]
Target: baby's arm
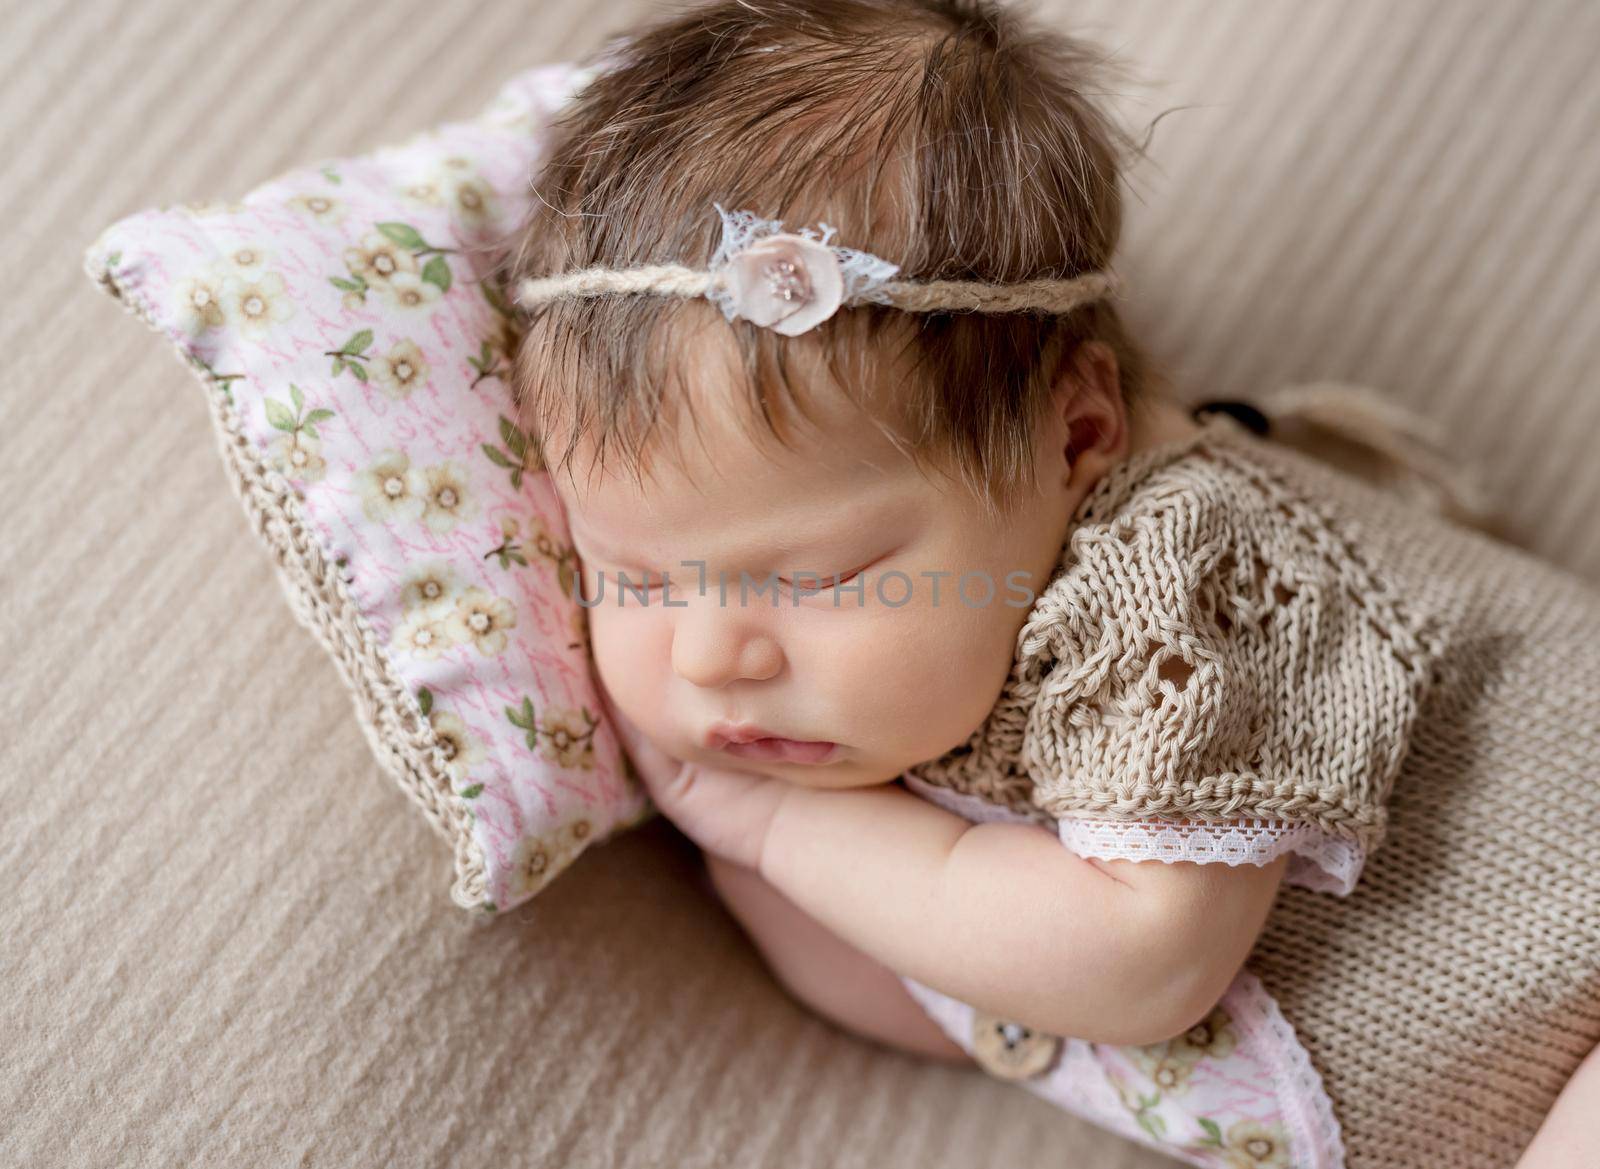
[[1569, 1138], [834, 979], [1005, 918]]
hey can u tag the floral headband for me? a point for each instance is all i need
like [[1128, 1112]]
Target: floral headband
[[792, 282]]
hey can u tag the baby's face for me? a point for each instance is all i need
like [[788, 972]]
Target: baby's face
[[899, 669]]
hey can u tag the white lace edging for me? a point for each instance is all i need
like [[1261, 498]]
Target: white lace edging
[[1318, 860], [1302, 1096]]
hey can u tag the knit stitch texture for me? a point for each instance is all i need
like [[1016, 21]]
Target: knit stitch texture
[[1235, 630]]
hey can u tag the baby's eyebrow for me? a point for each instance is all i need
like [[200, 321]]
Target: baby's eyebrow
[[602, 545], [598, 544]]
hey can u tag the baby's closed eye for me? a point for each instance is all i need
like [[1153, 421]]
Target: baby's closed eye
[[811, 581]]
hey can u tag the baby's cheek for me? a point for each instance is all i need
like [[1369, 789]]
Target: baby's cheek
[[929, 678], [629, 658]]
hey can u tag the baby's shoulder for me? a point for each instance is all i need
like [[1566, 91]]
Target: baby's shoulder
[[1218, 644], [1221, 479], [1222, 529]]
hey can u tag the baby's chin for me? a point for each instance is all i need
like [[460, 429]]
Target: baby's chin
[[823, 776], [823, 780]]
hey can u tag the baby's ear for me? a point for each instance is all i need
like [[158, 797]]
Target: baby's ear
[[1089, 398]]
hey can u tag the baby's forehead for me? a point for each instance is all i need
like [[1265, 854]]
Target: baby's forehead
[[729, 467], [716, 425], [735, 498]]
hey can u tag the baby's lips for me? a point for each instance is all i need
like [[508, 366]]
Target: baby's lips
[[786, 282]]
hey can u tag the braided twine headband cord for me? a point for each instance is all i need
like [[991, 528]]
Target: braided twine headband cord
[[1049, 295]]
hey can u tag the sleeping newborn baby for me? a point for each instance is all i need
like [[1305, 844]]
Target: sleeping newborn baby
[[1025, 718]]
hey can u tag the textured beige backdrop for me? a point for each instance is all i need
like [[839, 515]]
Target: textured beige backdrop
[[228, 941]]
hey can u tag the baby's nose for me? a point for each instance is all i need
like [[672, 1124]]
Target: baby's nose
[[711, 655]]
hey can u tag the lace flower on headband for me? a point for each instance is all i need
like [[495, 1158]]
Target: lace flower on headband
[[790, 282]]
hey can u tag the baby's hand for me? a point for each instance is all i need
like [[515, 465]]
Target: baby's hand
[[725, 812]]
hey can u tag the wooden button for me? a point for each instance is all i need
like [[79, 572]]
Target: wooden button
[[1010, 1050]]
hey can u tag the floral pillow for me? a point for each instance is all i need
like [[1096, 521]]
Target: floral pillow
[[354, 351]]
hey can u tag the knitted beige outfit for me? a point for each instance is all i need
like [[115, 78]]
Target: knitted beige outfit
[[1237, 629]]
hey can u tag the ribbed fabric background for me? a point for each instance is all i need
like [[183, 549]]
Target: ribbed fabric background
[[228, 940]]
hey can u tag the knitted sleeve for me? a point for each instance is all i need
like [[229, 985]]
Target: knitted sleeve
[[1221, 677]]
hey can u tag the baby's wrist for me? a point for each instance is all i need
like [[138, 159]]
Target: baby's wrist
[[770, 843]]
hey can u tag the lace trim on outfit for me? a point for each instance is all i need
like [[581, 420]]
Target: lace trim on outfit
[[1307, 1107], [1317, 859]]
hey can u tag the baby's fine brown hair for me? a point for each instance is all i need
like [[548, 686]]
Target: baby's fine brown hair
[[952, 137]]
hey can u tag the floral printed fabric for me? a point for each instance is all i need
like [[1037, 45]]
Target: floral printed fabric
[[1237, 1091], [341, 314]]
